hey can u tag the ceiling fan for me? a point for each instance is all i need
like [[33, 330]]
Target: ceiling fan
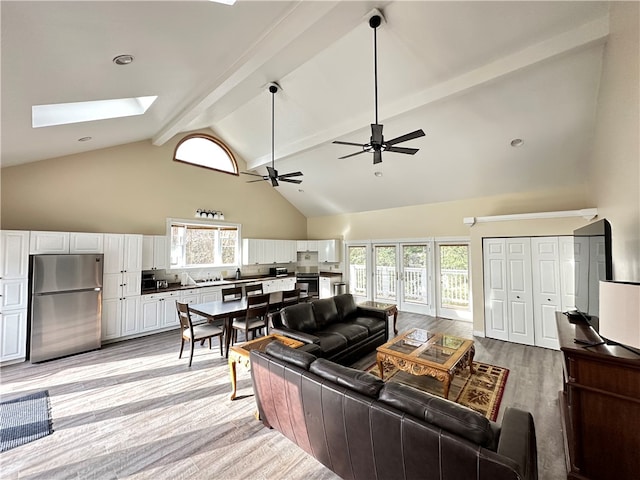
[[272, 173], [377, 143]]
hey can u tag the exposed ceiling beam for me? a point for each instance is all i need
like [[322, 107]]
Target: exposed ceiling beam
[[300, 17], [587, 35]]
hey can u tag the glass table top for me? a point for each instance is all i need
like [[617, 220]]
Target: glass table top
[[420, 344]]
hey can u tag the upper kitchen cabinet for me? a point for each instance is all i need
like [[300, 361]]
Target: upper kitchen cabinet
[[14, 258], [307, 245], [49, 242], [264, 252], [65, 242], [122, 253], [154, 252], [329, 251], [86, 242]]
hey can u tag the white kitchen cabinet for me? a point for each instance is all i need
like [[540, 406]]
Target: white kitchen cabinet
[[14, 257], [48, 243], [80, 242], [120, 317], [329, 251], [210, 294], [256, 251], [325, 287], [13, 335], [14, 281], [154, 252], [122, 278], [158, 311], [285, 251], [307, 245]]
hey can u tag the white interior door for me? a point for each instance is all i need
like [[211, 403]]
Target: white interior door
[[519, 296], [495, 288], [547, 296]]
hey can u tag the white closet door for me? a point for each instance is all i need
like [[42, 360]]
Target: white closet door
[[495, 288], [567, 280], [519, 297], [547, 296]]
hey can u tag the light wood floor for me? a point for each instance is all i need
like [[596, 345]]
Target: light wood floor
[[133, 410]]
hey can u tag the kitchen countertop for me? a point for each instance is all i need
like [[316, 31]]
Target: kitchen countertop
[[173, 287]]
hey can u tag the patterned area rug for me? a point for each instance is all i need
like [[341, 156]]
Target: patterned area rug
[[24, 419], [481, 391]]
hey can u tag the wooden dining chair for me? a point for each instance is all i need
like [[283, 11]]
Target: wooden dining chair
[[290, 297], [255, 289], [231, 293], [195, 333], [255, 318]]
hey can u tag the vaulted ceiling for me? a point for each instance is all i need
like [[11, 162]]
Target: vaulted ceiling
[[473, 75]]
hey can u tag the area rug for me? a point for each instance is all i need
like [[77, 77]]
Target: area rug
[[481, 391], [24, 419]]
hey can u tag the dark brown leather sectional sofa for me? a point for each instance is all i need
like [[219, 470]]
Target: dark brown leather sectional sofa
[[362, 428], [334, 328]]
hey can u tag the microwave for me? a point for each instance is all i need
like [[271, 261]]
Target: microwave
[[278, 272]]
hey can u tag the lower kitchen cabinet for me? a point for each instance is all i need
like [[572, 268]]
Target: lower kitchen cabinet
[[13, 335], [325, 287], [120, 317], [158, 311]]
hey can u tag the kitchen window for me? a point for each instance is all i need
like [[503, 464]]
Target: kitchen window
[[204, 244]]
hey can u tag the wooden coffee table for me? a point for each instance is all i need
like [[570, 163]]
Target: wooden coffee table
[[420, 352], [240, 354]]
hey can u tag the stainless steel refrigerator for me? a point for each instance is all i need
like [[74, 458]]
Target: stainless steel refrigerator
[[65, 305]]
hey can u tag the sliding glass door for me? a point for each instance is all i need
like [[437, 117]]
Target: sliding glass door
[[359, 268], [454, 299]]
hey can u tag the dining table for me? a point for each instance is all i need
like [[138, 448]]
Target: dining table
[[230, 309]]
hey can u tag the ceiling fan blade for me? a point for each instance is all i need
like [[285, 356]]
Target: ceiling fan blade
[[349, 143], [292, 174], [404, 138], [351, 155], [376, 133], [290, 180], [377, 156], [408, 151], [254, 181], [254, 174], [272, 172]]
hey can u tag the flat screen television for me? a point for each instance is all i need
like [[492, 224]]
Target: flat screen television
[[592, 263]]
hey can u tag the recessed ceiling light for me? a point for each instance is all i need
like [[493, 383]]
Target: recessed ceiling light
[[84, 139], [65, 113], [517, 142], [301, 190], [377, 174], [123, 59]]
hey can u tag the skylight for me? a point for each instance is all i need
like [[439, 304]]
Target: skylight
[[64, 113]]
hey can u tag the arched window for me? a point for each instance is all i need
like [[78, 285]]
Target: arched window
[[205, 151]]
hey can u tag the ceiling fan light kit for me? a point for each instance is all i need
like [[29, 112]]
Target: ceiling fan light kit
[[272, 173], [377, 144]]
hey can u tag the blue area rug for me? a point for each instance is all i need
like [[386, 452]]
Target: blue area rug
[[24, 419]]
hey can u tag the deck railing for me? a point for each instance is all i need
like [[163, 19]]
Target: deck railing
[[454, 285]]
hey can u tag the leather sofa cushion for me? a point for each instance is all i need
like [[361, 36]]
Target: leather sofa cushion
[[352, 332], [346, 305], [373, 325], [299, 317], [331, 343], [297, 357], [325, 312], [442, 413], [357, 380]]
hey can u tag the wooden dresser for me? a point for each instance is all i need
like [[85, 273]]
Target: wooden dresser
[[599, 406]]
